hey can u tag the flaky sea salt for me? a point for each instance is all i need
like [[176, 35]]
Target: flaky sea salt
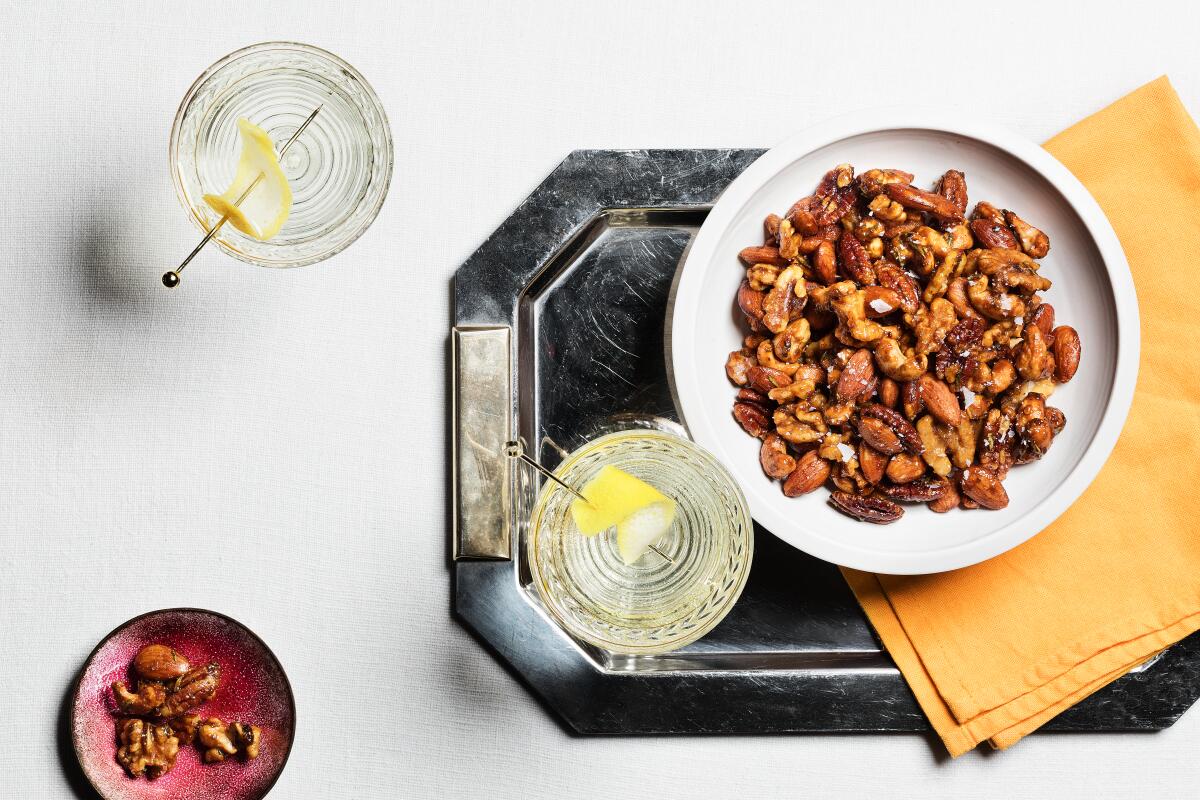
[[846, 450], [880, 306]]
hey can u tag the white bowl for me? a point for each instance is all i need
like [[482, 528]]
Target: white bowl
[[1093, 291]]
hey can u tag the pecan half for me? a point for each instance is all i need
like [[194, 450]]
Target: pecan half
[[835, 195], [751, 418], [756, 398], [953, 187], [892, 277], [878, 510], [197, 686], [854, 261], [921, 490], [965, 333]]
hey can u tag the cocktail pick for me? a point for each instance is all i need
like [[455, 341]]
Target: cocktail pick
[[171, 279], [516, 451]]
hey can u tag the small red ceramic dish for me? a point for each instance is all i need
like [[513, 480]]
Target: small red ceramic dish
[[254, 689]]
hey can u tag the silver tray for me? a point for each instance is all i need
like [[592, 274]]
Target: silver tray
[[558, 332]]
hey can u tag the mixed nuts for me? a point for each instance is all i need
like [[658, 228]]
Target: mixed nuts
[[898, 348], [156, 715]]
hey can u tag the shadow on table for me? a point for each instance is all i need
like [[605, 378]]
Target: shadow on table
[[78, 782], [109, 274]]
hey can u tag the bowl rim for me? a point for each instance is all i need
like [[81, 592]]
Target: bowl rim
[[77, 685], [684, 367]]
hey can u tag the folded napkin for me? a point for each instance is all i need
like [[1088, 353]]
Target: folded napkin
[[995, 650]]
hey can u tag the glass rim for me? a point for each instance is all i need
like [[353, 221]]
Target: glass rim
[[745, 521], [230, 247]]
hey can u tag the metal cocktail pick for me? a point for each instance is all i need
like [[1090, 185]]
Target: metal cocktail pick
[[171, 279], [515, 450]]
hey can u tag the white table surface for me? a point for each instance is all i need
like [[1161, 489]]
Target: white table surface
[[281, 437]]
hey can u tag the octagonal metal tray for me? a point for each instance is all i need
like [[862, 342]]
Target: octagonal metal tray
[[558, 330]]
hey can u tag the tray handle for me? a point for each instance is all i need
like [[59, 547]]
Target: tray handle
[[482, 415]]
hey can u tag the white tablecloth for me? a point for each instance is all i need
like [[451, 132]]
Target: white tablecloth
[[280, 437]]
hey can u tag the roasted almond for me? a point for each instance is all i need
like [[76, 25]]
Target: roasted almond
[[905, 467], [1066, 352], [871, 462], [750, 300], [856, 376], [981, 485], [995, 235], [910, 399], [879, 301], [824, 262], [764, 379], [763, 254], [810, 474], [940, 401], [948, 501], [158, 662], [1043, 317], [919, 200], [889, 392], [877, 434]]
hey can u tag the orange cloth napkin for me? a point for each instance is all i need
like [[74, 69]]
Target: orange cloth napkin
[[995, 650]]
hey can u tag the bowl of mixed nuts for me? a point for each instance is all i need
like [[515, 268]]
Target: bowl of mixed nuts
[[914, 344]]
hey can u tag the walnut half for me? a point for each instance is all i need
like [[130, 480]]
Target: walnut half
[[217, 741], [145, 748]]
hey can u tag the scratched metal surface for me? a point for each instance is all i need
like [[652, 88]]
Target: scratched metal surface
[[582, 271]]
